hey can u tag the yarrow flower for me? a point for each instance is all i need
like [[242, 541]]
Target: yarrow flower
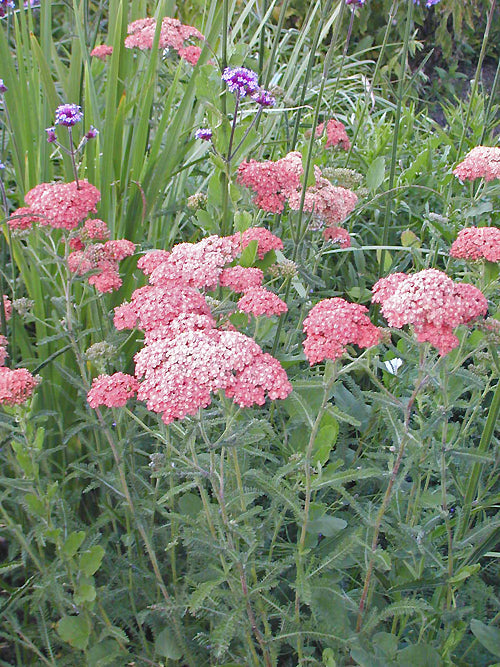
[[173, 34], [431, 302], [205, 134], [68, 115], [480, 162], [23, 218], [336, 134], [3, 350], [477, 243], [332, 324], [7, 307], [241, 278], [113, 391], [102, 51], [266, 240], [241, 80], [337, 235], [16, 386], [260, 301], [61, 205], [104, 259], [272, 182]]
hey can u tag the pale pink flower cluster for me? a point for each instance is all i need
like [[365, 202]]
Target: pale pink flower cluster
[[332, 324], [477, 243], [113, 391], [93, 229], [266, 240], [337, 235], [103, 259], [58, 205], [185, 357], [173, 34], [431, 302], [272, 182], [102, 51], [7, 307], [331, 203], [336, 134], [481, 162], [260, 301], [16, 386]]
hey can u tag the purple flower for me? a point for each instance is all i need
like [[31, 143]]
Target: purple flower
[[68, 115], [3, 87], [92, 133], [51, 134], [4, 6], [2, 166], [204, 133], [240, 80], [358, 3], [264, 98]]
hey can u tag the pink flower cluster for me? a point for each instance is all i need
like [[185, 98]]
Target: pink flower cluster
[[173, 34], [3, 350], [332, 324], [431, 302], [336, 134], [337, 235], [477, 243], [7, 307], [331, 203], [266, 240], [260, 301], [58, 205], [185, 357], [102, 51], [113, 391], [103, 259], [16, 386], [481, 162], [272, 182]]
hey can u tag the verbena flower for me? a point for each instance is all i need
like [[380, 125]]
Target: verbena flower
[[91, 133], [240, 80], [68, 115], [264, 98], [51, 134], [5, 5], [431, 302], [477, 243], [332, 324], [203, 133], [3, 87]]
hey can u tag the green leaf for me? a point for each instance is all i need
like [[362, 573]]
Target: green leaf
[[85, 592], [90, 561], [206, 221], [487, 635], [326, 525], [249, 254], [464, 573], [73, 543], [409, 239], [35, 504], [324, 442], [376, 173], [75, 630], [422, 655], [166, 645], [242, 220], [104, 653]]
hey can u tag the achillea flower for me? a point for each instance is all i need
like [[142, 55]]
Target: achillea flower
[[265, 374], [196, 264], [477, 243], [68, 115], [203, 133], [7, 307], [148, 262], [260, 301], [337, 235], [266, 240], [107, 280], [329, 202], [23, 218], [481, 162], [113, 391], [104, 258], [336, 134], [16, 386], [63, 205], [172, 35], [3, 350], [272, 182], [332, 324], [241, 80], [102, 51], [241, 278], [95, 229], [119, 249], [431, 302]]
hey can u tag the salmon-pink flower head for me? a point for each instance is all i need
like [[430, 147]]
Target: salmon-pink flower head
[[332, 324], [336, 134], [184, 322], [241, 278], [265, 374], [260, 301], [102, 51], [7, 307], [153, 258], [272, 182], [103, 257], [431, 302], [481, 162], [107, 280], [329, 202], [113, 391], [23, 218], [95, 229], [241, 80], [16, 386], [266, 240], [3, 350], [477, 243], [119, 249], [68, 115], [337, 235], [173, 34], [196, 264], [63, 205], [152, 307]]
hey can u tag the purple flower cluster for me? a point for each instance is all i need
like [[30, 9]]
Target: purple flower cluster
[[241, 80], [68, 115], [5, 5], [203, 133], [3, 87]]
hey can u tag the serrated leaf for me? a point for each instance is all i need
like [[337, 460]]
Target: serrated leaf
[[376, 173], [75, 630]]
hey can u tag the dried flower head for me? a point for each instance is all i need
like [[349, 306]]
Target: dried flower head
[[197, 201], [23, 306]]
